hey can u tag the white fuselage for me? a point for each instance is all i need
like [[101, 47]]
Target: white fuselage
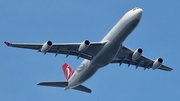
[[114, 40]]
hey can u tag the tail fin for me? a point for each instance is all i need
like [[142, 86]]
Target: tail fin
[[68, 71]]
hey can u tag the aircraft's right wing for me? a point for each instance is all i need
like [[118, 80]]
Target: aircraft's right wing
[[63, 48]]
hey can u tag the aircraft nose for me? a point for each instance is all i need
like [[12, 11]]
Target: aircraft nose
[[139, 13]]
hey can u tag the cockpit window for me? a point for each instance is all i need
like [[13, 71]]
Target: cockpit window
[[135, 8]]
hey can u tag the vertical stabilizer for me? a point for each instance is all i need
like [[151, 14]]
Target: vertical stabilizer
[[68, 71]]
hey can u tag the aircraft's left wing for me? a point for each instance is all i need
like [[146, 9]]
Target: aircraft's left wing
[[125, 56], [63, 48]]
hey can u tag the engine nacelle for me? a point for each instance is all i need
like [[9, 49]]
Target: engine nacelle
[[47, 45], [137, 54], [84, 45], [157, 63]]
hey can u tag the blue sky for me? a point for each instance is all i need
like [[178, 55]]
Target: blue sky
[[36, 21]]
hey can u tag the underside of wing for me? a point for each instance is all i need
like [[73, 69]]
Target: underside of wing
[[84, 50], [72, 49], [127, 56]]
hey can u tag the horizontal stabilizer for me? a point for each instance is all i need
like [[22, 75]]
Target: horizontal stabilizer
[[64, 84], [54, 84], [82, 88]]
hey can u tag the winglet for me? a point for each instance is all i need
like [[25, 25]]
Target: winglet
[[7, 43]]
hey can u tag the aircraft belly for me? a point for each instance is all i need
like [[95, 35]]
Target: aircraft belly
[[87, 74], [102, 59], [105, 56]]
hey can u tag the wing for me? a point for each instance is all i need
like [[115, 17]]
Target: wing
[[125, 55], [64, 48]]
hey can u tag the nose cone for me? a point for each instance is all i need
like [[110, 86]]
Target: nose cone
[[139, 13]]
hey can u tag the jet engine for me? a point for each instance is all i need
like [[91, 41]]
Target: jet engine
[[157, 63], [47, 45], [137, 54], [84, 45]]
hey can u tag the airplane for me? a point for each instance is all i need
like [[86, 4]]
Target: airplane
[[97, 54]]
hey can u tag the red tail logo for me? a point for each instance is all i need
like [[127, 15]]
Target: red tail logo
[[68, 71]]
